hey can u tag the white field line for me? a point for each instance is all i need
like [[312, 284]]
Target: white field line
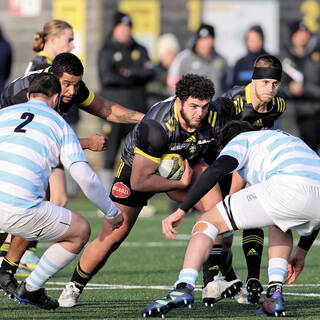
[[97, 286], [181, 241]]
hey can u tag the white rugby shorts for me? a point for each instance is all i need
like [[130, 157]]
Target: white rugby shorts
[[286, 202], [46, 221]]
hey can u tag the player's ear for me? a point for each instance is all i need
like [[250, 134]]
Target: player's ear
[[28, 95], [55, 100]]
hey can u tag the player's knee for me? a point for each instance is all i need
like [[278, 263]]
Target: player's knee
[[206, 228], [60, 200], [84, 232]]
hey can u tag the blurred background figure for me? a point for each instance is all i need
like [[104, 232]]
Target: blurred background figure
[[243, 68], [124, 71], [201, 58], [56, 37], [167, 48], [5, 60], [301, 81]]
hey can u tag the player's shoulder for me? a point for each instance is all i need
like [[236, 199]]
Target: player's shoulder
[[235, 92]]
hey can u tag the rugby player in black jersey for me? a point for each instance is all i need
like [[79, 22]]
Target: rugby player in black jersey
[[259, 104], [186, 124], [69, 70]]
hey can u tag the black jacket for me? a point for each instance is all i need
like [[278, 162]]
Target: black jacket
[[124, 72]]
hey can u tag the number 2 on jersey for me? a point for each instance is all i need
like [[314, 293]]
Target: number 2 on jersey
[[29, 117]]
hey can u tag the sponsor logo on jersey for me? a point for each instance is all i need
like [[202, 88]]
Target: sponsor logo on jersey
[[120, 190]]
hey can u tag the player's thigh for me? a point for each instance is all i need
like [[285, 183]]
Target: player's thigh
[[45, 221], [57, 183], [243, 209], [79, 229]]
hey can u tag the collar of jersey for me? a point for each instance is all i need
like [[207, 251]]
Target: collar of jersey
[[43, 54], [248, 97], [175, 109], [39, 102]]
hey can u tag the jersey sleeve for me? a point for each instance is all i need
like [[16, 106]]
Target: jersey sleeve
[[71, 150], [207, 180], [152, 140], [84, 96]]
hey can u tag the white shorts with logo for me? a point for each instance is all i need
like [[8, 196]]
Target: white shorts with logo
[[289, 203], [46, 221]]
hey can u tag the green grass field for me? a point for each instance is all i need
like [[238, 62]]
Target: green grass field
[[146, 260]]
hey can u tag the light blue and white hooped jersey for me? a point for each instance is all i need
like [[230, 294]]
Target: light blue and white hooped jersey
[[262, 154], [33, 137]]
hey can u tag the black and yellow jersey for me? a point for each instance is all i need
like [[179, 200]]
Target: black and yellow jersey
[[16, 92], [160, 132], [240, 95], [41, 61]]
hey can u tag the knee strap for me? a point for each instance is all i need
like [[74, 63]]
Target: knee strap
[[206, 228]]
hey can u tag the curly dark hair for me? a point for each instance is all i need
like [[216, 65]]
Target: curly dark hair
[[68, 63], [195, 86]]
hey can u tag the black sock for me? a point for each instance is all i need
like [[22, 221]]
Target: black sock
[[4, 249], [3, 237], [211, 266], [272, 287], [80, 278], [252, 245], [226, 266], [32, 246], [8, 266]]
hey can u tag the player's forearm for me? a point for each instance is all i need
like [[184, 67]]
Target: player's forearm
[[155, 183], [120, 114], [85, 143], [207, 180], [306, 242], [112, 111]]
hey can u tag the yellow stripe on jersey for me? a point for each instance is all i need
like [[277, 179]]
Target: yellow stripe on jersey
[[239, 105], [121, 165], [212, 118], [169, 124], [175, 109], [248, 97], [281, 105], [154, 159], [89, 100]]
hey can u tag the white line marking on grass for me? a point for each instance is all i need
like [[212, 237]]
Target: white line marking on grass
[[101, 286]]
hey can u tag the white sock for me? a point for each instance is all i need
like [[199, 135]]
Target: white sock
[[277, 269], [189, 276], [54, 259]]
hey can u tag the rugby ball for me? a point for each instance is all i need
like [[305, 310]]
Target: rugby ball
[[171, 166]]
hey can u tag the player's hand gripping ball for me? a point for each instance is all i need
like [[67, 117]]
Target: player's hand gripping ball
[[171, 166]]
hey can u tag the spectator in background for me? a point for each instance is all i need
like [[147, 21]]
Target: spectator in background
[[243, 69], [5, 60], [201, 58], [167, 47], [124, 71], [301, 81]]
